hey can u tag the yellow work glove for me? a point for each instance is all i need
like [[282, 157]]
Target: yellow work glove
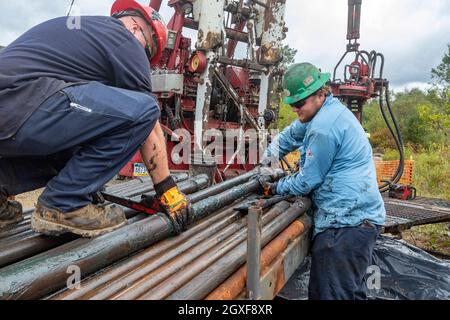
[[174, 204]]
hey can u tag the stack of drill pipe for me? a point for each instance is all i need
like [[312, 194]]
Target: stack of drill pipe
[[234, 286], [19, 242], [167, 266], [116, 277], [41, 275], [196, 281]]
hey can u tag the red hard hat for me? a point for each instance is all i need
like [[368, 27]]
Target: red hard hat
[[151, 16]]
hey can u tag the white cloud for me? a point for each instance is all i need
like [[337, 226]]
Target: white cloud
[[412, 34]]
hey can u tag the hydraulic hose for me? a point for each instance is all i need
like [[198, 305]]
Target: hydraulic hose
[[397, 138]]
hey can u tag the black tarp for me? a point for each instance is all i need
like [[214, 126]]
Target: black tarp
[[407, 273]]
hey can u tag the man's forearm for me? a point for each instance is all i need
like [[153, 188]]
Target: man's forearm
[[154, 155]]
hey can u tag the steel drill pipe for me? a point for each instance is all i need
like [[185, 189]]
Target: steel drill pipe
[[193, 267], [107, 291], [233, 286], [8, 230], [146, 186], [205, 282], [17, 237], [40, 275], [20, 228], [149, 276], [12, 250], [223, 199], [221, 187], [161, 250], [159, 268], [127, 189], [29, 247]]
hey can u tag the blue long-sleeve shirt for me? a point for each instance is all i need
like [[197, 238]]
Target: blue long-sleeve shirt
[[337, 168]]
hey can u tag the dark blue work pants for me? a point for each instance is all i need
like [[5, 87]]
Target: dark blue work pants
[[75, 142], [340, 258]]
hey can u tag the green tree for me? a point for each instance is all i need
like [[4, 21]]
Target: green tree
[[288, 56], [441, 74]]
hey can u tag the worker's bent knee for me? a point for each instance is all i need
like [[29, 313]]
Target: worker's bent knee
[[146, 121], [150, 110]]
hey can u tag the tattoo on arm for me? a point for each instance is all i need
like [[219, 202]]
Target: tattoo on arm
[[152, 166]]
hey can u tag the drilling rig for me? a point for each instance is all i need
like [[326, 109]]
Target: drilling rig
[[204, 86], [363, 80]]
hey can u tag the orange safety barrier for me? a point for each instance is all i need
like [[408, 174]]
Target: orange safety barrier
[[386, 169]]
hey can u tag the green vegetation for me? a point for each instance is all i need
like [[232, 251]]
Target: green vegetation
[[287, 116], [424, 120]]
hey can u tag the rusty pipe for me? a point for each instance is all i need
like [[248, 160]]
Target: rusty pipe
[[160, 250], [153, 262], [196, 266], [233, 286], [127, 189], [157, 269], [46, 273], [206, 281], [13, 251], [219, 188], [231, 33], [212, 204]]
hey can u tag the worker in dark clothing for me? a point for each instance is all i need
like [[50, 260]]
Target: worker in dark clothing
[[75, 106], [338, 172]]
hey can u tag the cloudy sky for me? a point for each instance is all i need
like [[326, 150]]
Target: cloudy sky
[[412, 34]]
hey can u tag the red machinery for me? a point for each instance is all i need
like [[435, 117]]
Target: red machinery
[[363, 81], [208, 88]]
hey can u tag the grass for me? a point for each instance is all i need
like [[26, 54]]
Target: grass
[[433, 237]]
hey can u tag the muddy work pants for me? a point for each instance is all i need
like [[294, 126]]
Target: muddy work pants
[[76, 142]]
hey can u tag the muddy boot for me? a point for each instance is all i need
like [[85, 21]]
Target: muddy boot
[[10, 211], [88, 222]]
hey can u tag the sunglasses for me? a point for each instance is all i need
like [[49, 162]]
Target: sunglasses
[[299, 104]]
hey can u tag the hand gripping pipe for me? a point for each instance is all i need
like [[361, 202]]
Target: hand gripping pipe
[[46, 273]]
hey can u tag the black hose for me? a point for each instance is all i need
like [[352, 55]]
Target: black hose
[[397, 138], [170, 117]]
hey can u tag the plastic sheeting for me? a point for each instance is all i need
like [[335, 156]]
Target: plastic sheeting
[[407, 273]]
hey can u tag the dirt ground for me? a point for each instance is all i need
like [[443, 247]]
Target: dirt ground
[[434, 238], [29, 199]]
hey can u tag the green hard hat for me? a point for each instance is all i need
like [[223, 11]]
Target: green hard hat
[[302, 80]]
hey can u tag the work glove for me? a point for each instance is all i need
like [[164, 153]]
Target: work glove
[[174, 204], [269, 189]]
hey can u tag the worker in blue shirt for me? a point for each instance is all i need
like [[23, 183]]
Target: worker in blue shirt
[[75, 106], [338, 173]]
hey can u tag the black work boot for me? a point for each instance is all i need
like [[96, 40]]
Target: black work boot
[[10, 211], [88, 222]]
